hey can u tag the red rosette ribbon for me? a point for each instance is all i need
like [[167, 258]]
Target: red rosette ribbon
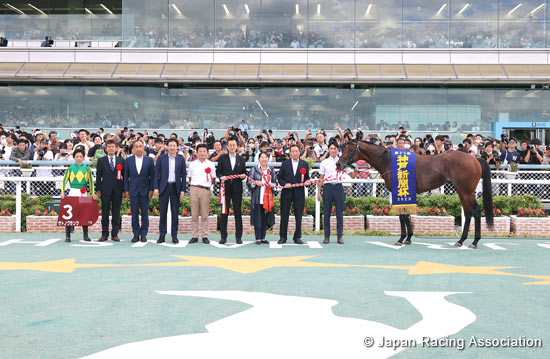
[[83, 190], [208, 176], [303, 172], [119, 171]]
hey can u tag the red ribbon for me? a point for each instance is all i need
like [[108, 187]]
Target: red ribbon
[[303, 172], [208, 176], [83, 190], [119, 171]]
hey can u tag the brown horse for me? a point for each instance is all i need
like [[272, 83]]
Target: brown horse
[[460, 168]]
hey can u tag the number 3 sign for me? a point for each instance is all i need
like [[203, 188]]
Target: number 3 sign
[[77, 211]]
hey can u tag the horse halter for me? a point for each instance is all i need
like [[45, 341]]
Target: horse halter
[[352, 152]]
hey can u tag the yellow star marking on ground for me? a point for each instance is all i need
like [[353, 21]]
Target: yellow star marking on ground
[[252, 265]]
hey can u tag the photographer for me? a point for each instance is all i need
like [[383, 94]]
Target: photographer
[[218, 151], [21, 152], [524, 152], [250, 151], [157, 150], [321, 148], [64, 154], [509, 154], [490, 155], [309, 151], [536, 154], [97, 150]]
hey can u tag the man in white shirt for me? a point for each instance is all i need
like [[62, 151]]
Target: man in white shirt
[[202, 173]]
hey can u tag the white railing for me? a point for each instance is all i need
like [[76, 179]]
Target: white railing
[[506, 187]]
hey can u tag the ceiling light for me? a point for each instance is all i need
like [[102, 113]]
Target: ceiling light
[[88, 11], [37, 9], [535, 10], [247, 9], [175, 7], [369, 8], [464, 9], [15, 9], [226, 9], [514, 9], [441, 9], [356, 102], [318, 9], [297, 9], [106, 9]]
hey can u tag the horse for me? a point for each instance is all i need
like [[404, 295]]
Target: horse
[[433, 171]]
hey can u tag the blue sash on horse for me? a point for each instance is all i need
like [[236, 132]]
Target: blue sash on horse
[[403, 181]]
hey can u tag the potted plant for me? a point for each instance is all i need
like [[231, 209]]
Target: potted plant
[[512, 172], [26, 169]]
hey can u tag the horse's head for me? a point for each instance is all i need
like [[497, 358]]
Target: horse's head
[[348, 155]]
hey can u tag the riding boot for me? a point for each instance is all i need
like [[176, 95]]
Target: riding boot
[[409, 228], [67, 234], [85, 233]]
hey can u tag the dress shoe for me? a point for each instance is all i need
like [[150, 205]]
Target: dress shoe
[[340, 240], [264, 241], [258, 242], [239, 241], [193, 240], [223, 241], [326, 240], [205, 240], [161, 240], [298, 241], [115, 239], [86, 239], [175, 240], [102, 239], [67, 239], [281, 241], [143, 238], [135, 239]]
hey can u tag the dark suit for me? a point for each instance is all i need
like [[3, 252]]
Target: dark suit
[[169, 191], [111, 190], [233, 192], [294, 195], [139, 185]]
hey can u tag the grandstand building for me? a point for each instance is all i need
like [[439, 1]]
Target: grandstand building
[[430, 66]]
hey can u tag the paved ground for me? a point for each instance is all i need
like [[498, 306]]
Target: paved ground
[[119, 300]]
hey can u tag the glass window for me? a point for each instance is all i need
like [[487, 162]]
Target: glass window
[[378, 24], [236, 22], [331, 23], [145, 23], [474, 24], [522, 23], [281, 24], [192, 23], [425, 24]]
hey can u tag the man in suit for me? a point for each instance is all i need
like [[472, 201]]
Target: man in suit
[[109, 186], [293, 171], [232, 164], [139, 174], [169, 184]]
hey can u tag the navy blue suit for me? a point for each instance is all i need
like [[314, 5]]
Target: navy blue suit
[[169, 191], [139, 185], [295, 195]]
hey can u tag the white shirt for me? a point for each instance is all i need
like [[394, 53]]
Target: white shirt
[[171, 169], [233, 160], [319, 151], [295, 166], [197, 173], [139, 163], [328, 168], [264, 177]]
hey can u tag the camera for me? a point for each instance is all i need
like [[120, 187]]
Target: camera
[[3, 42], [64, 154]]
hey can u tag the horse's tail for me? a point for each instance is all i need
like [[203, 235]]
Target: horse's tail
[[487, 192]]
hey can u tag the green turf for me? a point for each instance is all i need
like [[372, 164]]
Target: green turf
[[68, 315]]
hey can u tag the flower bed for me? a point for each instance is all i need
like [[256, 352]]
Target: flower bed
[[537, 226], [433, 224], [7, 223], [384, 223]]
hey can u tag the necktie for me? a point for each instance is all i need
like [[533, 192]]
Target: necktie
[[112, 163]]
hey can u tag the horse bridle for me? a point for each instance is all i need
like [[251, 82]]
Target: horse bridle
[[349, 160]]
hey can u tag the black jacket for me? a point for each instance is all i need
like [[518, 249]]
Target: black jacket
[[286, 175], [224, 169], [106, 180]]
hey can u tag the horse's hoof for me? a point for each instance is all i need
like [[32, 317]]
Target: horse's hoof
[[398, 244], [408, 243], [458, 244], [472, 246]]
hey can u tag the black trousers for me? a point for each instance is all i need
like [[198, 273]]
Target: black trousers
[[170, 193], [260, 222], [235, 197], [137, 203], [333, 193], [110, 203], [298, 204]]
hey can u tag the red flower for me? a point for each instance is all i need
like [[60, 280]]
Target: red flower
[[83, 190], [303, 171], [119, 167]]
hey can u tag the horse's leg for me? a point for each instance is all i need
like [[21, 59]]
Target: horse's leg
[[468, 203], [477, 219], [403, 232], [409, 229]]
